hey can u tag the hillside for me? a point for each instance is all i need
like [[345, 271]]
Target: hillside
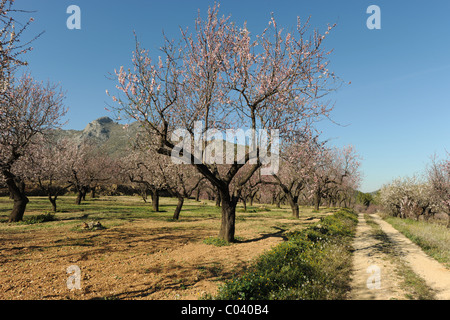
[[113, 137]]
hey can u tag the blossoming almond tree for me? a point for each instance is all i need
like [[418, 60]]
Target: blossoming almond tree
[[227, 79], [29, 108], [11, 44], [334, 168], [438, 176], [46, 165], [297, 167], [88, 166], [180, 181], [141, 167], [26, 106]]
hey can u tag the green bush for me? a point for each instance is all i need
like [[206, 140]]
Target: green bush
[[312, 264], [39, 218]]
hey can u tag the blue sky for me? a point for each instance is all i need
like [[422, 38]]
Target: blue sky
[[395, 112]]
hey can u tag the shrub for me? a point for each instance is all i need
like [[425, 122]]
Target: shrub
[[313, 263], [39, 218]]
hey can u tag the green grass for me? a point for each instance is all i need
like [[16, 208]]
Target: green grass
[[108, 208], [433, 238], [117, 210], [215, 241], [314, 263]]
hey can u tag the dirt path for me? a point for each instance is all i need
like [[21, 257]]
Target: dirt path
[[372, 261], [368, 256], [435, 274]]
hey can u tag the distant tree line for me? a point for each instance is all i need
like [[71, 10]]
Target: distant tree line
[[420, 197]]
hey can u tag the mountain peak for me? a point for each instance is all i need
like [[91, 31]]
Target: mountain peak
[[104, 120], [99, 128]]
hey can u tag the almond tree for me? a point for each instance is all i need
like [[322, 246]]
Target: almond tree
[[88, 166], [269, 193], [333, 168], [408, 197], [141, 167], [11, 45], [250, 189], [28, 108], [227, 79], [297, 166], [180, 181], [47, 166], [438, 174]]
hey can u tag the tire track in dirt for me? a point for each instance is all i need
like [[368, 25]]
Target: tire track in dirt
[[370, 251], [369, 256], [434, 273]]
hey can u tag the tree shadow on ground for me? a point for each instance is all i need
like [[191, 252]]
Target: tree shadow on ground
[[278, 234]]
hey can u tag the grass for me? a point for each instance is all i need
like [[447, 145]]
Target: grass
[[114, 211], [314, 263], [118, 209], [134, 234], [39, 218], [412, 283], [215, 241], [433, 238]]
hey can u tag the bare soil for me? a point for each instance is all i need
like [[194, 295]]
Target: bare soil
[[139, 259], [369, 253]]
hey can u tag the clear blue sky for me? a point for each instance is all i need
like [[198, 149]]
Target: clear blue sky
[[396, 112]]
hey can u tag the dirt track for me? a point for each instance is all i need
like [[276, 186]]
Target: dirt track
[[369, 251]]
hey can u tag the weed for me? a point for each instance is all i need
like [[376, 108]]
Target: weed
[[313, 263], [40, 218], [218, 242]]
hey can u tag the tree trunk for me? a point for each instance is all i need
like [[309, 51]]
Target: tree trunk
[[79, 197], [93, 192], [279, 200], [227, 228], [155, 200], [52, 201], [251, 199], [18, 208], [294, 205], [144, 195], [197, 194], [317, 200], [176, 214], [244, 202], [218, 199], [18, 195]]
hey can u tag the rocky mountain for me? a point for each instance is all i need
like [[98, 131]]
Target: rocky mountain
[[112, 137]]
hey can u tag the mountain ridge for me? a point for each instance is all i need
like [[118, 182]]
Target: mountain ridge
[[111, 136]]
